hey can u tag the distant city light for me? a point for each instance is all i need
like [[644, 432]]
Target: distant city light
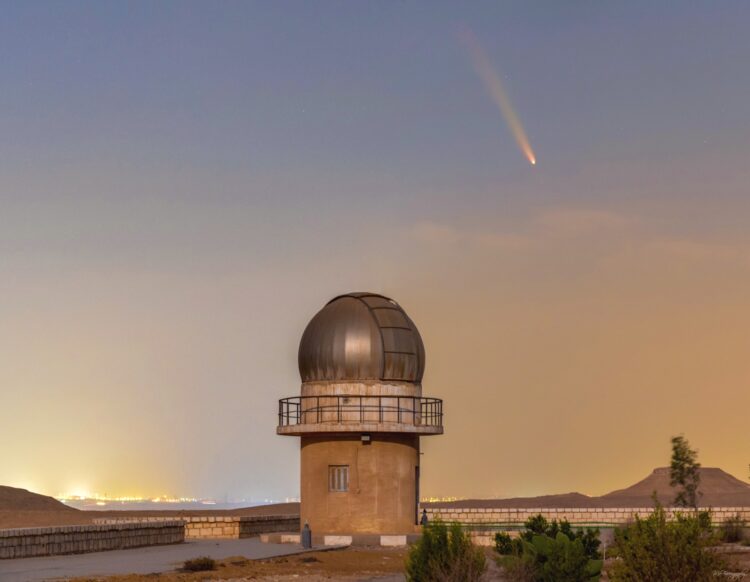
[[99, 499], [438, 499], [104, 499]]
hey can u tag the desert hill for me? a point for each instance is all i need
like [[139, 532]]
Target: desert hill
[[719, 488], [14, 499], [18, 512], [558, 500]]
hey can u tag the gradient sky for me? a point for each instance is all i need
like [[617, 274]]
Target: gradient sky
[[184, 184]]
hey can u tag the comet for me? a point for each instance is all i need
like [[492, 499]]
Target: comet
[[494, 85]]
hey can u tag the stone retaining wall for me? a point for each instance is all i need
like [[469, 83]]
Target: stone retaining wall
[[75, 539], [506, 518], [483, 523], [225, 526]]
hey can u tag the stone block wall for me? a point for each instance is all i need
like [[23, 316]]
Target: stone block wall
[[253, 526], [212, 527], [507, 518], [483, 523], [223, 526], [76, 539]]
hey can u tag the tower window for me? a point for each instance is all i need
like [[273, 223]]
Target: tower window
[[338, 477]]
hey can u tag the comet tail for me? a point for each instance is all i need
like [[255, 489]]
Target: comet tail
[[491, 80]]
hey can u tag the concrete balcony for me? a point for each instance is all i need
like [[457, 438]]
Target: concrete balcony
[[302, 415]]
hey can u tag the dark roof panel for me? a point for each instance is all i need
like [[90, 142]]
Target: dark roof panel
[[391, 318]]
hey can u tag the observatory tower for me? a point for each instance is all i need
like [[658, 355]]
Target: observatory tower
[[360, 415]]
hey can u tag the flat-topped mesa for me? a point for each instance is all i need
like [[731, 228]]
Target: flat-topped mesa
[[361, 361]]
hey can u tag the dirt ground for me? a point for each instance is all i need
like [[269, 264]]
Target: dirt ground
[[738, 559], [349, 564]]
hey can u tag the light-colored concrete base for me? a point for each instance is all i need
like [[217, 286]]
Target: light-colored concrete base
[[282, 538], [340, 540], [337, 540], [395, 541]]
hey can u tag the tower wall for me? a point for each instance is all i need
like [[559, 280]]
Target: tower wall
[[382, 491]]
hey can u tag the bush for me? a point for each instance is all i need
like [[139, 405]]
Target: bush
[[661, 550], [551, 552], [444, 554], [732, 530], [517, 569], [199, 564], [505, 545], [538, 525], [547, 559]]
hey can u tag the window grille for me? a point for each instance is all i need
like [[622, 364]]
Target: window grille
[[338, 477]]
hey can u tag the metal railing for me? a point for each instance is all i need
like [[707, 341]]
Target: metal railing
[[341, 409]]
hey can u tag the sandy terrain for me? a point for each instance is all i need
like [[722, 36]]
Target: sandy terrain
[[14, 499], [738, 559]]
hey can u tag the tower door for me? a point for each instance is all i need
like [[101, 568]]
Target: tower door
[[416, 493]]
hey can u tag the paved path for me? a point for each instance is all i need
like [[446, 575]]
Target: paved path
[[137, 560]]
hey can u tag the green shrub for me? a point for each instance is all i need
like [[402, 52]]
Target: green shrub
[[517, 569], [732, 530], [506, 545], [444, 553], [661, 550], [199, 564], [538, 525], [550, 552], [546, 559]]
